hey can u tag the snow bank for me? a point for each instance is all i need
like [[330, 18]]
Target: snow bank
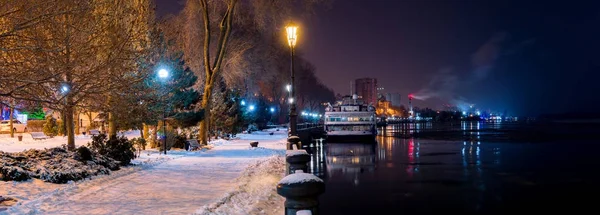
[[255, 192], [298, 178]]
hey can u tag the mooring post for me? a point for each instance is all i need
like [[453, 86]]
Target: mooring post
[[301, 191]]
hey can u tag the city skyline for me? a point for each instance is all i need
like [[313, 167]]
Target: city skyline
[[489, 53]]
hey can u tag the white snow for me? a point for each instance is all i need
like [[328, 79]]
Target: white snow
[[295, 152], [179, 183], [304, 212], [298, 178], [8, 144]]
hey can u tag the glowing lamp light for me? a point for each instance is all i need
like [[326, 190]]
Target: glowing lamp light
[[291, 100], [163, 73], [243, 102], [251, 107], [288, 88], [272, 110], [320, 115], [292, 35], [464, 113], [64, 89], [478, 113]]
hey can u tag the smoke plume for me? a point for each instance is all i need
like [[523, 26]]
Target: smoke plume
[[444, 83]]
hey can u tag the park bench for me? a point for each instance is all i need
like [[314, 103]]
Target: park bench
[[94, 132], [193, 145], [38, 136]]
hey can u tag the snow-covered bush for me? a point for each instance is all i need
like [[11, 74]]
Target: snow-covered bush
[[118, 148], [139, 144], [56, 165], [84, 153]]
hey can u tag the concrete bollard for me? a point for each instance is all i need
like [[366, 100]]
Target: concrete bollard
[[297, 160], [293, 140], [301, 191]]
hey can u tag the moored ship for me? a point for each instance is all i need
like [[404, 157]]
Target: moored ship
[[350, 120]]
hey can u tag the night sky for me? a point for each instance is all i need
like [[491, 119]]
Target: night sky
[[523, 57]]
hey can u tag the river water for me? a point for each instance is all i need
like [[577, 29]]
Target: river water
[[399, 175]]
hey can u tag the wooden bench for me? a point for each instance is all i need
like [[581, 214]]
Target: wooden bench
[[193, 145], [94, 132], [38, 136]]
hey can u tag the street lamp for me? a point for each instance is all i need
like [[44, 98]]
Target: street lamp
[[292, 39], [64, 89], [163, 74]]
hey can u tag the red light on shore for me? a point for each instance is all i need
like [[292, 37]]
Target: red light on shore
[[410, 96]]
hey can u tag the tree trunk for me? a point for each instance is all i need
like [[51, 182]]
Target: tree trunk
[[153, 142], [76, 121], [204, 124], [112, 129], [90, 123], [64, 121], [70, 128], [145, 135], [10, 123]]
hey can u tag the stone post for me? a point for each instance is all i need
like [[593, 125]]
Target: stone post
[[301, 191], [293, 140], [296, 160]]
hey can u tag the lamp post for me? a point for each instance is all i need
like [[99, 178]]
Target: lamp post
[[163, 74], [292, 38]]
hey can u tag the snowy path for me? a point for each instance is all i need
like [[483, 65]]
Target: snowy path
[[178, 186]]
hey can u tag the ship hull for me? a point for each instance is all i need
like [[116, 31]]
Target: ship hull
[[367, 137]]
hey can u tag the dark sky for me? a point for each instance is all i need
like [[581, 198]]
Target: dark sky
[[525, 57]]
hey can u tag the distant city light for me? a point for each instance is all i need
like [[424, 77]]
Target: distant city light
[[464, 113], [478, 113]]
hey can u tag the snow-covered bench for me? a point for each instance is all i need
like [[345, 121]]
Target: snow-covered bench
[[38, 135], [94, 132], [193, 144]]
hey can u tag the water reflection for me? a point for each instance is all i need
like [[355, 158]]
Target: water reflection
[[457, 130], [349, 160], [433, 176]]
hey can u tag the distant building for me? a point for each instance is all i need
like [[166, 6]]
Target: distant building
[[394, 99], [366, 89]]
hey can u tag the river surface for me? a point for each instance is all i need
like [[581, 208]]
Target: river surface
[[401, 175]]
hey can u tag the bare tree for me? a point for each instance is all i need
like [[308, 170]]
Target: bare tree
[[84, 50], [220, 38]]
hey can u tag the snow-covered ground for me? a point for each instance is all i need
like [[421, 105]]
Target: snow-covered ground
[[231, 178], [8, 144]]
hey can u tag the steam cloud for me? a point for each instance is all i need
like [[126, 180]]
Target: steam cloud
[[445, 82]]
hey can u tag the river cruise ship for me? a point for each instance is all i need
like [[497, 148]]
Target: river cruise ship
[[350, 120]]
